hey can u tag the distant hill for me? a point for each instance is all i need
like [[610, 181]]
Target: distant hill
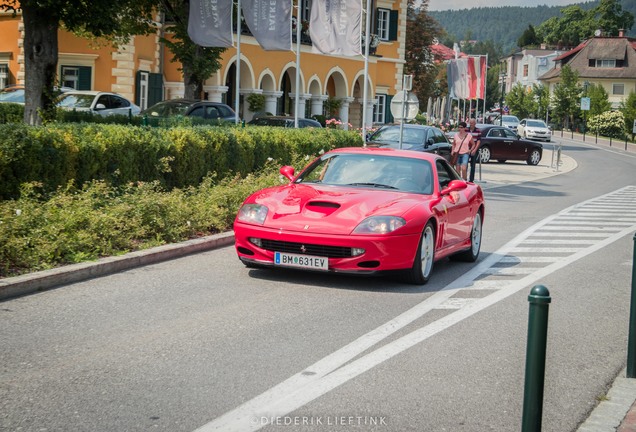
[[504, 25]]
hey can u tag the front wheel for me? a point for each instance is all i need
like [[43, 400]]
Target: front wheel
[[422, 268], [534, 157]]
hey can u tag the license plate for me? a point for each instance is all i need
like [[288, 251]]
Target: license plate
[[301, 261]]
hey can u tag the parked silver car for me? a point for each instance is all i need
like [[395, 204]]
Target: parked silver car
[[102, 103]]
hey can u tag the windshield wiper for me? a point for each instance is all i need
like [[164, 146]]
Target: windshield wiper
[[376, 185]]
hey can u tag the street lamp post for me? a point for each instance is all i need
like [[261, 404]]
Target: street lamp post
[[502, 76]]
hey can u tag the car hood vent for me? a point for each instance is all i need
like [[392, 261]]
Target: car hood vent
[[326, 204]]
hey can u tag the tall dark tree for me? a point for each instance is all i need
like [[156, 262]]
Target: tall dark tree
[[116, 20], [421, 29], [197, 62], [528, 38]]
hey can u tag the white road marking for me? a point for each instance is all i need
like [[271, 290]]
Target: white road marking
[[338, 367]]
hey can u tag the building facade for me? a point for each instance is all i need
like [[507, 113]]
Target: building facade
[[608, 61], [143, 71], [526, 66]]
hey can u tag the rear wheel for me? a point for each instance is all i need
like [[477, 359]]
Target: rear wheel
[[423, 263], [485, 154], [534, 157], [471, 254]]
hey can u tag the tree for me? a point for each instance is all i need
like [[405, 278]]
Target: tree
[[115, 20], [628, 108], [541, 95], [421, 29], [611, 17], [577, 24], [599, 100], [521, 101], [528, 38], [566, 95], [197, 62]]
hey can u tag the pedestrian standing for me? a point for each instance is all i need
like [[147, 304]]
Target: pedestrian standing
[[462, 145], [474, 153]]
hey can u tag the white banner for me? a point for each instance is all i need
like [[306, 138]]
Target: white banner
[[335, 27], [270, 23], [210, 23]]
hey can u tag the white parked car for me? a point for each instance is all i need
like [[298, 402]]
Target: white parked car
[[102, 103], [534, 129]]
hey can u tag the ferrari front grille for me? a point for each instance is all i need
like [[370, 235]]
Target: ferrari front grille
[[307, 249]]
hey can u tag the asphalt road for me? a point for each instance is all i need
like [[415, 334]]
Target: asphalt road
[[202, 343]]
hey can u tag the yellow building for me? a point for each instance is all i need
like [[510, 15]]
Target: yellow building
[[143, 72]]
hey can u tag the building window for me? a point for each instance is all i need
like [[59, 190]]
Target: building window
[[525, 70], [143, 90], [4, 75], [383, 24], [618, 89], [305, 10], [605, 64], [70, 77], [379, 109]]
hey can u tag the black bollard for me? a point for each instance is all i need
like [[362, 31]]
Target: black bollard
[[631, 340], [539, 300]]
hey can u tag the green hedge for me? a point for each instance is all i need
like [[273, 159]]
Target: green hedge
[[57, 154]]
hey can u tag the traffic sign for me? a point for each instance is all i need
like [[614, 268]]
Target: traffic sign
[[404, 106], [585, 103]]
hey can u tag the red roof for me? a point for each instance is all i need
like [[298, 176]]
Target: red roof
[[442, 52], [572, 51]]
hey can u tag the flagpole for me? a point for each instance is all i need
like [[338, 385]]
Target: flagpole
[[367, 42], [298, 28], [238, 62], [485, 88]]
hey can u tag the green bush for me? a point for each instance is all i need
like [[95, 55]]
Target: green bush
[[11, 113], [40, 231], [609, 124], [178, 157]]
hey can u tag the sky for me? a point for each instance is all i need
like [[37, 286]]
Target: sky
[[439, 5]]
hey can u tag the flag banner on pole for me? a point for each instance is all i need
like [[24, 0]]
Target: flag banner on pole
[[476, 77], [210, 23], [458, 78], [269, 22], [335, 27]]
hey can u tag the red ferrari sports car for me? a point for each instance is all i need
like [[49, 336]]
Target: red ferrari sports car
[[363, 210]]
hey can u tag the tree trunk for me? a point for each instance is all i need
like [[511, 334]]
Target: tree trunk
[[40, 60], [192, 83]]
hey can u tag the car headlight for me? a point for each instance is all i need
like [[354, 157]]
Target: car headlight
[[253, 213], [379, 225]]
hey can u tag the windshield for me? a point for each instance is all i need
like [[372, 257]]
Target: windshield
[[511, 119], [536, 123], [166, 109], [392, 134], [76, 101], [12, 95], [371, 171]]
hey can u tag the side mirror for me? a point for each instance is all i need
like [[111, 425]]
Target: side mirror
[[287, 172], [453, 186], [100, 106], [429, 142]]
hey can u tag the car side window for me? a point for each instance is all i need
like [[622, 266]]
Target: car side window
[[212, 112], [509, 133], [104, 100], [445, 174], [197, 112], [225, 112], [439, 136], [496, 133]]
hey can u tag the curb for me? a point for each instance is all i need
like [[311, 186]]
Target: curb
[[43, 280]]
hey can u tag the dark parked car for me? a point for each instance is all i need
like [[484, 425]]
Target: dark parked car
[[502, 144], [284, 121], [191, 108], [414, 137]]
